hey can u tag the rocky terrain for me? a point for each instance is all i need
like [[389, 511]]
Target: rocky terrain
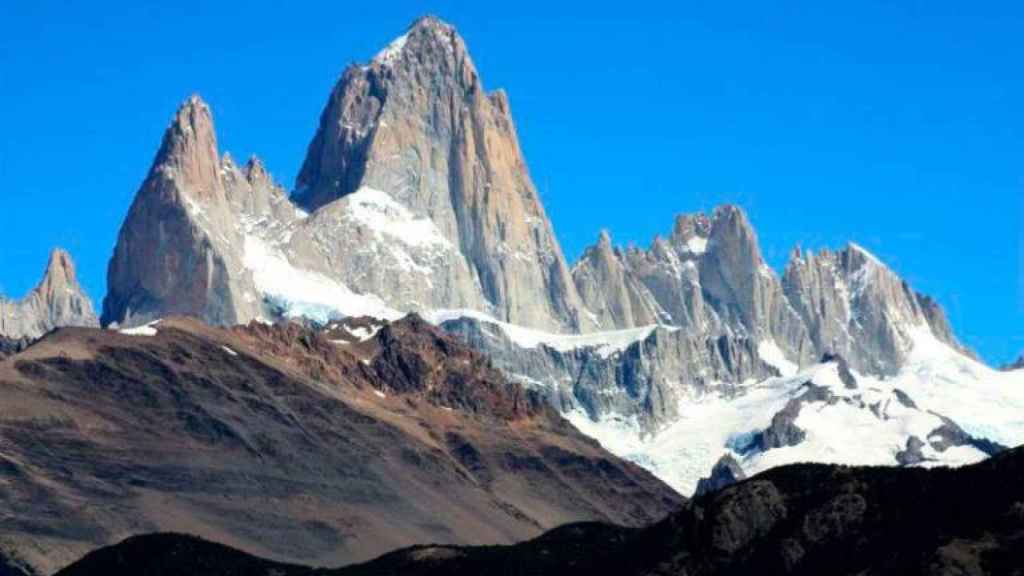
[[801, 519], [58, 300], [299, 445]]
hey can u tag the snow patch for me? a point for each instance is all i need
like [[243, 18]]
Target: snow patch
[[363, 333], [769, 351], [303, 293], [868, 425], [380, 394], [144, 330], [605, 343], [697, 245], [229, 351], [380, 212], [392, 51]]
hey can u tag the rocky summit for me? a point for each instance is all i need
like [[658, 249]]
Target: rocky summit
[[58, 300]]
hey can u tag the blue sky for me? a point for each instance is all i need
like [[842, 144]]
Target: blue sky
[[894, 124]]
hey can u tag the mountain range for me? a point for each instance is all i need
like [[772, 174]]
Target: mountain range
[[397, 351]]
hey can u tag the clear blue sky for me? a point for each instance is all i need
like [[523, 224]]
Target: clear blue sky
[[894, 124]]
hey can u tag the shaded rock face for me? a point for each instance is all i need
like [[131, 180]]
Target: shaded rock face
[[283, 442], [726, 472], [58, 300], [799, 520], [417, 124], [646, 380], [1018, 364]]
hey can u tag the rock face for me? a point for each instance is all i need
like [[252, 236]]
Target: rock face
[[707, 277], [710, 276], [727, 471], [645, 377], [58, 300], [416, 124], [290, 443], [181, 247], [854, 305]]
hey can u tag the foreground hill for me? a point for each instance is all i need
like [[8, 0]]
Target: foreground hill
[[800, 519], [297, 445]]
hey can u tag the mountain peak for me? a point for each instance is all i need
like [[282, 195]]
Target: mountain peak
[[425, 31], [60, 270], [189, 147], [57, 301], [255, 170]]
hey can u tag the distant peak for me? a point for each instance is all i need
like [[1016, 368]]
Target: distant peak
[[255, 170], [60, 269]]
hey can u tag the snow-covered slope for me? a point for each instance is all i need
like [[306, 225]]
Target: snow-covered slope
[[938, 392]]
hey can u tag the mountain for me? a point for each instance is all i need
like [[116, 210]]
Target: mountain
[[414, 195], [795, 520], [325, 446], [58, 300]]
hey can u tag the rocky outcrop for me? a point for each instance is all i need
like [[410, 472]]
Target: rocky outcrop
[[911, 453], [1017, 364], [417, 125], [58, 300], [726, 472]]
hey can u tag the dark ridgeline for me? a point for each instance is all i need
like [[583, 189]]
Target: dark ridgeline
[[804, 519]]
